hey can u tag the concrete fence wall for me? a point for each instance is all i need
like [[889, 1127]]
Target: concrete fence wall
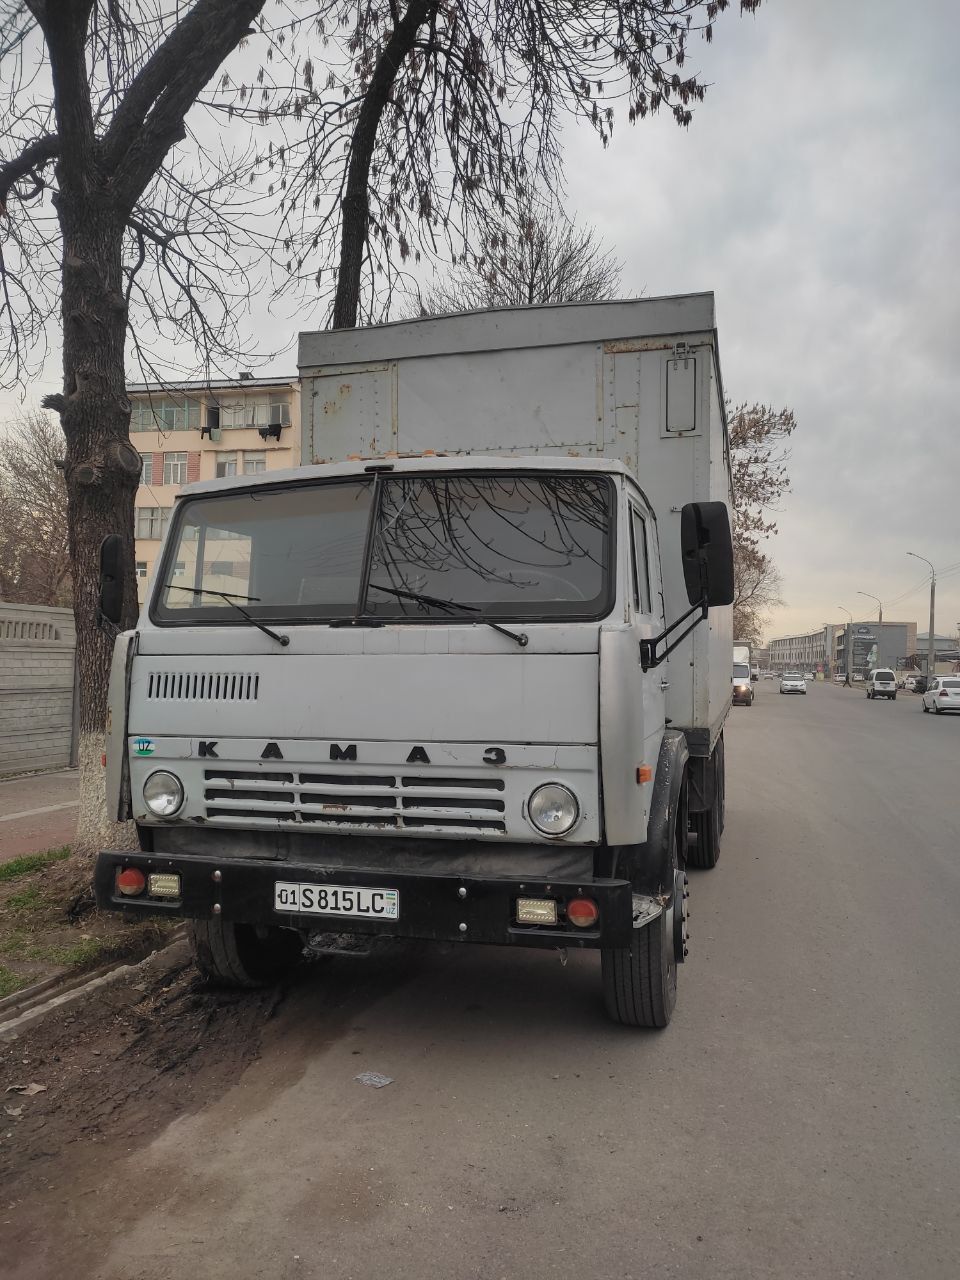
[[37, 648]]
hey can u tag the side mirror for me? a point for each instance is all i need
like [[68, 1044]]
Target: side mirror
[[111, 578], [707, 548]]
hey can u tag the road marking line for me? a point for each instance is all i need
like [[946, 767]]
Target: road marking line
[[35, 813]]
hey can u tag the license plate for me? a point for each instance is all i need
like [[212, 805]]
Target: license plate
[[336, 900]]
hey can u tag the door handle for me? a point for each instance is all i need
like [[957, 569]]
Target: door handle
[[664, 684]]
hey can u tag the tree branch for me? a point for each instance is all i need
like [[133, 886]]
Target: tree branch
[[150, 119], [39, 152]]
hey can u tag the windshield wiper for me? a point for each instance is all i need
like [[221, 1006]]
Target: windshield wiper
[[452, 606], [232, 601]]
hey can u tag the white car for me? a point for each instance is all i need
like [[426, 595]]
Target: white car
[[943, 694], [792, 682]]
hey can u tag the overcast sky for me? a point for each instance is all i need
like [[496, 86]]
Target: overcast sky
[[817, 194]]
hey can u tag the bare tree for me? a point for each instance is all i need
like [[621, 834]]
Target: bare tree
[[34, 556], [430, 118], [539, 256], [757, 586], [758, 455], [96, 94]]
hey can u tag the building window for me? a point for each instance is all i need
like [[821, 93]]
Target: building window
[[179, 569], [152, 521], [174, 468], [255, 411], [141, 568], [146, 468], [221, 568], [254, 462], [165, 413], [226, 464]]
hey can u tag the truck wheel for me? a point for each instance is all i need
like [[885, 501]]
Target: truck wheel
[[721, 768], [708, 825], [242, 955]]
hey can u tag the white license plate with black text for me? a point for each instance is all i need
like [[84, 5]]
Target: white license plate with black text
[[336, 900]]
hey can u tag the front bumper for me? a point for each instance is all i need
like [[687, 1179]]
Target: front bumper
[[454, 908]]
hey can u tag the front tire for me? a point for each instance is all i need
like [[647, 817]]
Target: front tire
[[242, 955], [640, 981]]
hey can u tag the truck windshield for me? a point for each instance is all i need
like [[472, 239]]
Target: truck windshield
[[396, 547]]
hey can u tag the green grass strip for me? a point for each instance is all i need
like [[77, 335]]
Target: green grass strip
[[17, 867], [10, 981]]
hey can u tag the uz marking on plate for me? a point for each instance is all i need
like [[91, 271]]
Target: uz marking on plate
[[336, 900]]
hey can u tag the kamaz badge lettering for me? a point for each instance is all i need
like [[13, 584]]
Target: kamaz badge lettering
[[418, 756], [495, 755], [207, 749], [271, 752], [343, 753]]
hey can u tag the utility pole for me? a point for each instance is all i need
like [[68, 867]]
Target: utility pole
[[931, 642]]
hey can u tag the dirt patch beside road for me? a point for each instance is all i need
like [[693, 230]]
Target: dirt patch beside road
[[115, 1068]]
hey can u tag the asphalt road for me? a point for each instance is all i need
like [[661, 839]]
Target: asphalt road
[[799, 1118]]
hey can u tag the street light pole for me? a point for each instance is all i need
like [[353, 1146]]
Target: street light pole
[[848, 647], [931, 643], [879, 603]]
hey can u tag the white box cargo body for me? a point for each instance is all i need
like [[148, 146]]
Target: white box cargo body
[[635, 381]]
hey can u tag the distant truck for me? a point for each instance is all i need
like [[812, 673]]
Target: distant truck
[[745, 674], [464, 677]]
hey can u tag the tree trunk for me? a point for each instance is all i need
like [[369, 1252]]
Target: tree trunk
[[102, 472], [355, 212]]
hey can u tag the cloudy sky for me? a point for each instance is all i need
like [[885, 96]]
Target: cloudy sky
[[817, 193]]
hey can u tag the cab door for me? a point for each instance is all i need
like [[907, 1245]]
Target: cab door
[[646, 609]]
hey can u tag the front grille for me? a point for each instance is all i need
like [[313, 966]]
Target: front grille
[[340, 801], [203, 686]]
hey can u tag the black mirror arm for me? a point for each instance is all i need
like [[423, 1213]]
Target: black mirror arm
[[109, 629], [648, 648]]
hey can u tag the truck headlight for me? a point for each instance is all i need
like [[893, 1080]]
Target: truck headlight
[[163, 793], [553, 809]]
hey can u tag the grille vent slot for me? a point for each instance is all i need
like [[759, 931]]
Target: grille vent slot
[[338, 801], [203, 686]]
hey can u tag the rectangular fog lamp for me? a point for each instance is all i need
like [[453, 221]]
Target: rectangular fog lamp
[[163, 885], [536, 911]]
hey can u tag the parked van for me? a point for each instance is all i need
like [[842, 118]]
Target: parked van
[[881, 683]]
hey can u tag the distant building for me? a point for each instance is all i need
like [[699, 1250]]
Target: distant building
[[200, 430], [871, 645], [804, 652], [946, 653]]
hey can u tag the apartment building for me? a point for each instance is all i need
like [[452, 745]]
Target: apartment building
[[804, 652], [199, 431]]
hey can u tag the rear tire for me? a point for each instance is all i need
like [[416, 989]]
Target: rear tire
[[242, 955], [721, 768], [924, 708], [706, 826]]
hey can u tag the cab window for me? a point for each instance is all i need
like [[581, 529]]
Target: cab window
[[641, 572]]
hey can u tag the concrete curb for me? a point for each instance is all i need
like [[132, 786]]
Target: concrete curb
[[24, 1008]]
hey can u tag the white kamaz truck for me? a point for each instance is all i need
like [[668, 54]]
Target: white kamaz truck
[[461, 677]]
